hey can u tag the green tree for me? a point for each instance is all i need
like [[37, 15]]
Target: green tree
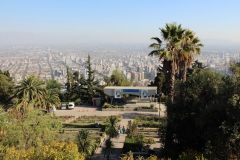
[[6, 86], [235, 69], [132, 129], [35, 129], [171, 35], [190, 46], [54, 150], [53, 84], [111, 129], [203, 117], [196, 67], [51, 99], [117, 79], [79, 87], [91, 83], [3, 123], [159, 81], [85, 142], [68, 95], [30, 92], [109, 148]]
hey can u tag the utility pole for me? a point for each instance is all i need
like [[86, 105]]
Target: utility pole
[[159, 108]]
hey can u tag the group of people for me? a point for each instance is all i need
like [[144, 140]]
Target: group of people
[[121, 130]]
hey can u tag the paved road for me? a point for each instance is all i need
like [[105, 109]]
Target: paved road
[[126, 116]]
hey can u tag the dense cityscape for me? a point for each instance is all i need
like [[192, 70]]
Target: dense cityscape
[[132, 62]]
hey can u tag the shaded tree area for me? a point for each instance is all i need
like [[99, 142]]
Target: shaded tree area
[[203, 119], [6, 86], [160, 82]]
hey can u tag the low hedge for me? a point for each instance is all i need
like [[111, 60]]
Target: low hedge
[[151, 124], [146, 118], [107, 105], [78, 125]]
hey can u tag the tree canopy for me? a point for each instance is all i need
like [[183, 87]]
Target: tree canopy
[[177, 53], [203, 118]]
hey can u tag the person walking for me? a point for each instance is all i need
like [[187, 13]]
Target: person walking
[[118, 133], [123, 130], [119, 127]]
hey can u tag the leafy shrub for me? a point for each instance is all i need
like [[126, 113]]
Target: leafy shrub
[[133, 144], [151, 106], [55, 150], [106, 105], [189, 155], [150, 141]]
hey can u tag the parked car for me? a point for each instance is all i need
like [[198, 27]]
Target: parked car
[[64, 106], [71, 105]]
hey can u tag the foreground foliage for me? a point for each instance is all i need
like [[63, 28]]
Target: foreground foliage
[[85, 143], [204, 117], [53, 151], [28, 128]]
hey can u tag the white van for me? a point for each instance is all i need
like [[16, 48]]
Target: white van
[[71, 105]]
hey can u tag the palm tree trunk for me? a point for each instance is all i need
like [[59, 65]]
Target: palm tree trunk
[[170, 75], [183, 71], [169, 71], [184, 76]]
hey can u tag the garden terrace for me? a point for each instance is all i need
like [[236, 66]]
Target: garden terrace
[[94, 119], [65, 119]]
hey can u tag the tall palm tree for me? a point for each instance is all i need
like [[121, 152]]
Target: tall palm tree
[[171, 35], [111, 129], [51, 99], [31, 90], [109, 148], [190, 46], [85, 142]]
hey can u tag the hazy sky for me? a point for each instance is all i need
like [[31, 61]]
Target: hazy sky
[[115, 21]]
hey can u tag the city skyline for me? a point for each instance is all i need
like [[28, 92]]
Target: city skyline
[[110, 22]]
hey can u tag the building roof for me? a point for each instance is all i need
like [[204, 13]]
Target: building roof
[[131, 87]]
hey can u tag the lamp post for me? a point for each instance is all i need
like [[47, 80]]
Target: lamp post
[[159, 107]]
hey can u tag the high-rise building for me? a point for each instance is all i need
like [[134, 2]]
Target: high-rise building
[[56, 73], [64, 72], [134, 76], [68, 61], [84, 72], [139, 69]]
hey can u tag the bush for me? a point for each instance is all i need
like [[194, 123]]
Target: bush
[[151, 106], [150, 141], [133, 144], [55, 150], [106, 105], [189, 155]]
